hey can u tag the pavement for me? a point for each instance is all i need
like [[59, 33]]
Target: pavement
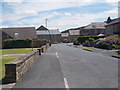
[[63, 66]]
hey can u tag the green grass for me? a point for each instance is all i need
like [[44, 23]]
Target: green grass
[[16, 51], [6, 59], [89, 49], [117, 56]]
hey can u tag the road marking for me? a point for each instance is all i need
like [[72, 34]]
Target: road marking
[[65, 80], [57, 54], [66, 84]]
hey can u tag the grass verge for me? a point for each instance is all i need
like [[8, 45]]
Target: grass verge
[[89, 49], [116, 56]]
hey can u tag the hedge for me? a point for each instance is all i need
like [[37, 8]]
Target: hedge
[[82, 39], [17, 43]]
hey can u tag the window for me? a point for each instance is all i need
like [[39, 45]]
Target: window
[[16, 35]]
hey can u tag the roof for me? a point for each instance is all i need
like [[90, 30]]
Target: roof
[[24, 32], [66, 31], [96, 25], [113, 21], [5, 35], [41, 28], [45, 32]]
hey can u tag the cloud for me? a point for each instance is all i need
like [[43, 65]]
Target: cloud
[[27, 9], [77, 20], [67, 14], [112, 2], [56, 19], [18, 1], [66, 21]]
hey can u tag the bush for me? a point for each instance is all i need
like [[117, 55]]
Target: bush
[[17, 43], [101, 44], [82, 39], [75, 42], [116, 46], [87, 43], [112, 40]]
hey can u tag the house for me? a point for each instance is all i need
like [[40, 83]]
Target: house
[[52, 35], [95, 28], [19, 32], [112, 27], [70, 35], [4, 36], [65, 36]]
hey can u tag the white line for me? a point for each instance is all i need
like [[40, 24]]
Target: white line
[[65, 80], [66, 84], [57, 54]]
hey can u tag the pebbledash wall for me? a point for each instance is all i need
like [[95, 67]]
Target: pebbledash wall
[[15, 69]]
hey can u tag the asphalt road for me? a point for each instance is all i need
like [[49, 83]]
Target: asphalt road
[[66, 66]]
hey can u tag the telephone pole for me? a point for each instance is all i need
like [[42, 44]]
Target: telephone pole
[[46, 22]]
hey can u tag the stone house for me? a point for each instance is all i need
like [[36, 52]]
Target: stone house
[[52, 35], [112, 27], [70, 35], [94, 28]]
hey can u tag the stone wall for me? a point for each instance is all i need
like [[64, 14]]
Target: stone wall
[[15, 69]]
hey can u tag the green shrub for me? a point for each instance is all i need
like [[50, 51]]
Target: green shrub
[[87, 43], [116, 46], [82, 39], [102, 45], [17, 43], [91, 39], [75, 42]]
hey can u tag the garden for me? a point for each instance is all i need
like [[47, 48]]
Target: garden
[[15, 48], [102, 42], [10, 55]]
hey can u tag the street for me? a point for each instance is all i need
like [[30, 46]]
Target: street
[[64, 66]]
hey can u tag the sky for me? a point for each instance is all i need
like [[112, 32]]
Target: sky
[[60, 14]]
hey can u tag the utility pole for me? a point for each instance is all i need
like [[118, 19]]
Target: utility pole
[[46, 22], [48, 30]]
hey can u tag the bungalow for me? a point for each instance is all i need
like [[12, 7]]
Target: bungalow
[[94, 28], [18, 32]]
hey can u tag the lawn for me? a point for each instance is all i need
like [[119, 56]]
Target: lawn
[[89, 49], [6, 59], [16, 51]]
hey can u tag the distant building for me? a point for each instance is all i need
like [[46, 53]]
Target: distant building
[[70, 35], [19, 32], [112, 27], [52, 35], [94, 28], [65, 36]]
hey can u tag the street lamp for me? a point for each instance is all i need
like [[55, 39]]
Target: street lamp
[[48, 29]]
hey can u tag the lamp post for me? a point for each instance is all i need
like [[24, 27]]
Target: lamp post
[[48, 29]]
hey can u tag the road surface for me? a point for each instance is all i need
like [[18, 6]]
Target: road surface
[[65, 66]]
